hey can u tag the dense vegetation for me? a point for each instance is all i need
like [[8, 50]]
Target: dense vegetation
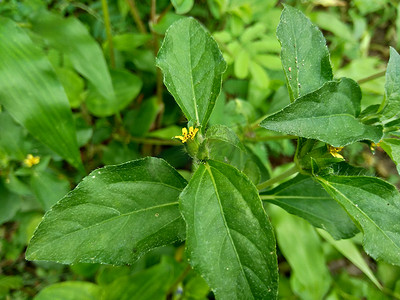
[[187, 149]]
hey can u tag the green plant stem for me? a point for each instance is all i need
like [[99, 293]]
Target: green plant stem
[[135, 14], [150, 141], [271, 138], [107, 24], [278, 178], [179, 279], [257, 123], [372, 77]]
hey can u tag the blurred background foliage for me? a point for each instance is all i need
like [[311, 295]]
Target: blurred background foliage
[[103, 53]]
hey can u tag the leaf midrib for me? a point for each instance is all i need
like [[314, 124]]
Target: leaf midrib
[[359, 209], [208, 168]]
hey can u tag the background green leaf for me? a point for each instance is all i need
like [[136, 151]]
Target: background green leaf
[[70, 36], [392, 148], [71, 290], [328, 114], [304, 54], [114, 216], [192, 65], [374, 205], [302, 248], [127, 87], [304, 197], [182, 6], [229, 238], [392, 85], [32, 94]]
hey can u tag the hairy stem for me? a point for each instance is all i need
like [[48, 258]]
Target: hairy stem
[[278, 178], [372, 77]]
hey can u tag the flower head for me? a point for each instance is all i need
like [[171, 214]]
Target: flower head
[[187, 135], [31, 160], [334, 151]]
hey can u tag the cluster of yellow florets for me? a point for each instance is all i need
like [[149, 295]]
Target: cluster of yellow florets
[[31, 160], [334, 151], [187, 135]]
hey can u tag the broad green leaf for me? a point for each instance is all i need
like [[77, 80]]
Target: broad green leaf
[[70, 36], [392, 148], [32, 94], [150, 284], [113, 216], [328, 114], [374, 205], [222, 144], [304, 197], [301, 246], [73, 85], [392, 85], [182, 6], [351, 252], [127, 87], [304, 54], [230, 241], [192, 65], [71, 290], [241, 67], [139, 121]]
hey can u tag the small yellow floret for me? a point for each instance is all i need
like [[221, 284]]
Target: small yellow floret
[[373, 146], [334, 151], [31, 160], [187, 135]]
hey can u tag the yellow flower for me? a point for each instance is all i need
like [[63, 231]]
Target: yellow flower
[[31, 160], [187, 135], [334, 151], [373, 146]]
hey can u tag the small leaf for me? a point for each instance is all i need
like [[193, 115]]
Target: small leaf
[[115, 215], [127, 87], [230, 241], [192, 65], [32, 94], [392, 148], [304, 54], [182, 6], [374, 205], [150, 284], [222, 144], [392, 85], [328, 114], [304, 197], [70, 290], [70, 36]]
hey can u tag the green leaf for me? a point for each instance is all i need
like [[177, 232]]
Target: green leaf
[[150, 284], [351, 252], [182, 6], [70, 36], [32, 94], [301, 246], [328, 114], [71, 290], [392, 85], [392, 148], [113, 216], [304, 197], [222, 144], [230, 241], [127, 87], [192, 65], [73, 85], [304, 54], [374, 205], [12, 139], [9, 282]]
